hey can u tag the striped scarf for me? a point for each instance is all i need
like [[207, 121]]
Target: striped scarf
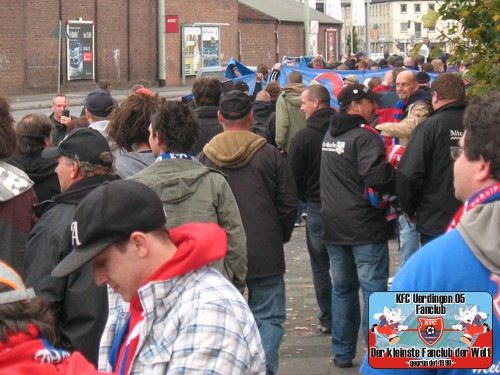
[[486, 195], [398, 110]]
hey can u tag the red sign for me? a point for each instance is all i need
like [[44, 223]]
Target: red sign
[[172, 24]]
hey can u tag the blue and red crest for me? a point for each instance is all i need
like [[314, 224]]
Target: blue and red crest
[[430, 330]]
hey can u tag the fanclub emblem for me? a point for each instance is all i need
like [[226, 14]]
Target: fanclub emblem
[[430, 330]]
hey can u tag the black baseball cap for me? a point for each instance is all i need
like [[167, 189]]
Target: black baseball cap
[[356, 92], [241, 85], [423, 77], [99, 103], [235, 105], [82, 144], [108, 214]]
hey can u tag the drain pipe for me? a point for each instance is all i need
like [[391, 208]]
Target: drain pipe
[[162, 64]]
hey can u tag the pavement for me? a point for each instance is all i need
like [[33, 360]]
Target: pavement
[[41, 101], [304, 350]]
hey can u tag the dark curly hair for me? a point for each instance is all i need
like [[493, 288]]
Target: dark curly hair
[[129, 123], [16, 316], [207, 91], [177, 125], [31, 132], [7, 132]]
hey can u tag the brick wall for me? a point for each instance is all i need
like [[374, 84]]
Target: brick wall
[[291, 39], [258, 44], [126, 40], [216, 11], [12, 47]]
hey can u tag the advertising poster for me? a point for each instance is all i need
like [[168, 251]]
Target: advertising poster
[[211, 51], [430, 330], [331, 39], [80, 50], [192, 50]]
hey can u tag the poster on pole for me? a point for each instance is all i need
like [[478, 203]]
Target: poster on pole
[[333, 9], [80, 50], [192, 50], [358, 12], [332, 42]]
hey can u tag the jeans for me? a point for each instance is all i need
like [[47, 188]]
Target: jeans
[[320, 263], [354, 266], [409, 240], [267, 301]]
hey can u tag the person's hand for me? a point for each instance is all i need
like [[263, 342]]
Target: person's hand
[[65, 120], [259, 77], [277, 66]]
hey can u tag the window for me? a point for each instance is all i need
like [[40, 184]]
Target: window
[[404, 27], [403, 8], [431, 6], [418, 29], [417, 8]]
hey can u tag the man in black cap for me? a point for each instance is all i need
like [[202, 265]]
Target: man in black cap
[[355, 231], [98, 106], [265, 191], [85, 161], [168, 311], [242, 86]]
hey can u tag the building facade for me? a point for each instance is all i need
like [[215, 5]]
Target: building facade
[[396, 26], [51, 45]]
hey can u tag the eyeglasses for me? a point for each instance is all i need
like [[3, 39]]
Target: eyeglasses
[[456, 152]]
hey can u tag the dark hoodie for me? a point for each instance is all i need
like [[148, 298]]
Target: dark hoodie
[[209, 127], [304, 157], [41, 172], [265, 192], [264, 114], [352, 159]]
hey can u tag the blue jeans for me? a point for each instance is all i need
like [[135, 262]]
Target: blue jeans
[[409, 240], [267, 301], [354, 266], [320, 263]]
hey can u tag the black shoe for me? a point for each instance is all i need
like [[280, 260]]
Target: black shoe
[[342, 364]]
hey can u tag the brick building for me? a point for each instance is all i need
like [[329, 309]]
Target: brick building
[[125, 39]]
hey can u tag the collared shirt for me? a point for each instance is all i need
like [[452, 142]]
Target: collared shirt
[[201, 322]]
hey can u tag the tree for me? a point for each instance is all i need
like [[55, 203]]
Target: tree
[[478, 46]]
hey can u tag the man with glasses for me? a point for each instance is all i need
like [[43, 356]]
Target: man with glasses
[[425, 173], [467, 257]]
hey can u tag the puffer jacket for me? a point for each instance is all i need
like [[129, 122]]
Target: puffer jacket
[[17, 198]]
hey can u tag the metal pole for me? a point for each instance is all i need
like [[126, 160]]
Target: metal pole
[[59, 59], [162, 62], [307, 27], [367, 27]]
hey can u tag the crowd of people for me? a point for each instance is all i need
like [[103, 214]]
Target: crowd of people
[[150, 233]]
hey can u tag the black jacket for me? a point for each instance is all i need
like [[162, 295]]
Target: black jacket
[[425, 173], [42, 173], [352, 159], [263, 113], [304, 156], [209, 127], [80, 306], [265, 192]]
